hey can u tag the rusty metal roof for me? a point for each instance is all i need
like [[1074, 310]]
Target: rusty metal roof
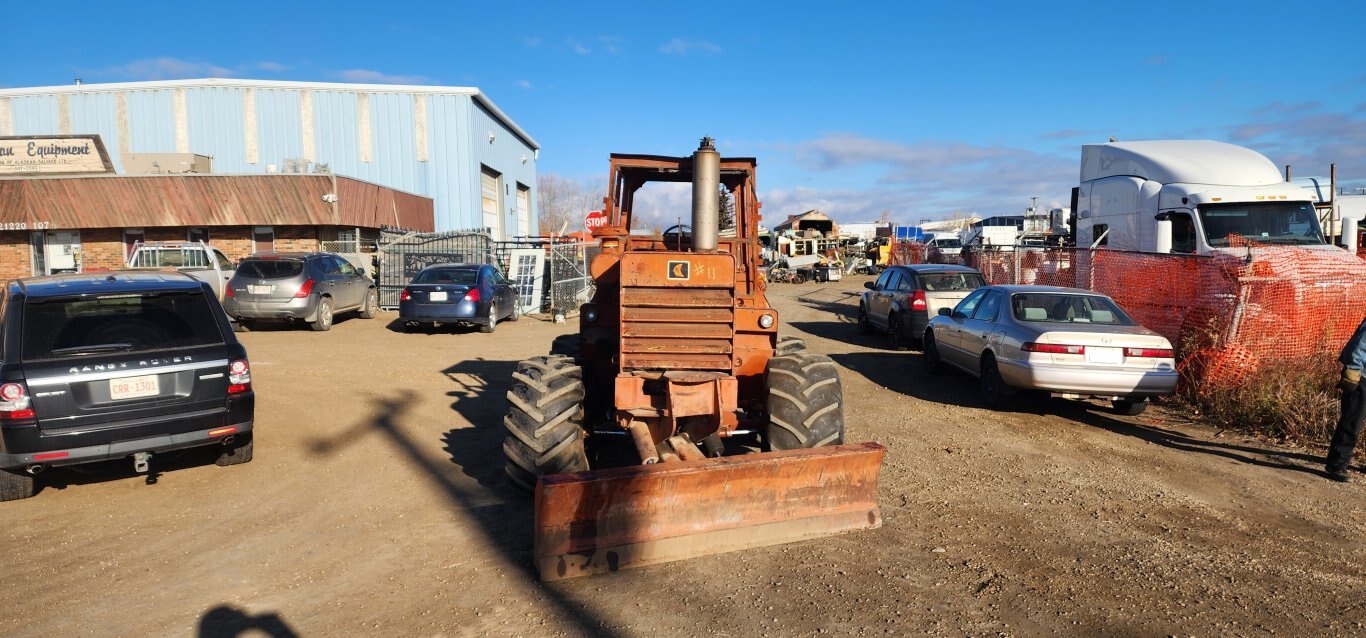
[[208, 200]]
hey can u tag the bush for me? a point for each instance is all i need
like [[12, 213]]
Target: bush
[[1291, 399]]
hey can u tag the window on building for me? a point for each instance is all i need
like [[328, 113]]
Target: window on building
[[491, 201], [263, 238], [56, 251], [131, 238], [197, 234], [523, 210]]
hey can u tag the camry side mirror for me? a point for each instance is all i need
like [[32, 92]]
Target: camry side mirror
[[945, 312], [869, 285]]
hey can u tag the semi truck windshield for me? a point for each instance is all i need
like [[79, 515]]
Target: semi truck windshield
[[1283, 223]]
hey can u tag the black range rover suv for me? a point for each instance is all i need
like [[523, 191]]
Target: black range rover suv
[[115, 365]]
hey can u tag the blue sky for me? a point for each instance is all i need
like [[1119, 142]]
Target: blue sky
[[852, 108]]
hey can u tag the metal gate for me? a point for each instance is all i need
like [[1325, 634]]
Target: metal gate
[[402, 256], [570, 283]]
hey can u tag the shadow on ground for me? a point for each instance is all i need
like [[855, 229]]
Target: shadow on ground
[[903, 373], [229, 622], [503, 515]]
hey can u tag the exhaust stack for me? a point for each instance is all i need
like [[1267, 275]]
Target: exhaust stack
[[706, 186]]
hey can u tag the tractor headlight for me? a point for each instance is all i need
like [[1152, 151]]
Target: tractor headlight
[[590, 314], [766, 321]]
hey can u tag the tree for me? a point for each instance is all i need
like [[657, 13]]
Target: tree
[[727, 210], [562, 203], [885, 216]]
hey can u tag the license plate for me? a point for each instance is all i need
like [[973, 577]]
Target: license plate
[[134, 387], [1104, 355], [437, 296], [260, 290]]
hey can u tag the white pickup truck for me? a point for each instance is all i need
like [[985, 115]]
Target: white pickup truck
[[194, 258]]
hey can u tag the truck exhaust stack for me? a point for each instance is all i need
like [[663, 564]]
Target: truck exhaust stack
[[706, 205]]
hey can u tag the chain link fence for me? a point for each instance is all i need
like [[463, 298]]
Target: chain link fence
[[569, 284]]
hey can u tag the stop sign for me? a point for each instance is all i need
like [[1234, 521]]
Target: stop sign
[[596, 219]]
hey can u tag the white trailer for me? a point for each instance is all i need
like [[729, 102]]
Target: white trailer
[[1208, 191]]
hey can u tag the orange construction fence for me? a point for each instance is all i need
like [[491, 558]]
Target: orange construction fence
[[1228, 315]]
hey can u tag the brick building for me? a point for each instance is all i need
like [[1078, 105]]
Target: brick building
[[88, 223]]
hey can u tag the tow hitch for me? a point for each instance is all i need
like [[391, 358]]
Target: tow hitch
[[140, 462]]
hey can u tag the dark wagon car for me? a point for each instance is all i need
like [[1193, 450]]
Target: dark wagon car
[[106, 366], [904, 298], [307, 287], [474, 294]]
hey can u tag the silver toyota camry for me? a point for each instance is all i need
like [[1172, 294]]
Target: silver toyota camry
[[1058, 340]]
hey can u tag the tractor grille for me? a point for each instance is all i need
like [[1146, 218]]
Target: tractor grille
[[677, 328]]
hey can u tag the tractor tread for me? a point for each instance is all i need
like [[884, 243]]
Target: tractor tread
[[815, 419], [544, 420]]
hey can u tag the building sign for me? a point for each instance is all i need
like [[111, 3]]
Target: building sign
[[53, 155]]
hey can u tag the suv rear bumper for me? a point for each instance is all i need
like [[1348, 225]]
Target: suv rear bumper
[[120, 449], [305, 309]]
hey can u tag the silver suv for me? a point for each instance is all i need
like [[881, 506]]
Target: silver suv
[[308, 287]]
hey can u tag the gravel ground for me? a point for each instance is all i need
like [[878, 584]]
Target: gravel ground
[[376, 506]]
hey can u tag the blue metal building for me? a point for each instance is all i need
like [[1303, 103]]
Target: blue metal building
[[449, 143]]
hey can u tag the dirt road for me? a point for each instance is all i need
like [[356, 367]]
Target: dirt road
[[377, 506]]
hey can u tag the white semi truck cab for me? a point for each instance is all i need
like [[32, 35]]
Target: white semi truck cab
[[1207, 191]]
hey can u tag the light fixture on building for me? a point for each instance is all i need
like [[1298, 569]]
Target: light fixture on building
[[491, 137], [523, 159], [330, 198]]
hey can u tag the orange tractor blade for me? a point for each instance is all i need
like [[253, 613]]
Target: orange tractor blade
[[618, 518]]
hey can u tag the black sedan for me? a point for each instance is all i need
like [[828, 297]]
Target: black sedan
[[473, 294]]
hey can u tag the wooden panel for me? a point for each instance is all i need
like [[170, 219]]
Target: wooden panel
[[689, 346], [677, 297], [685, 315], [683, 330]]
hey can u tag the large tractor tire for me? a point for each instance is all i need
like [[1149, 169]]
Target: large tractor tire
[[545, 420], [788, 344], [805, 403]]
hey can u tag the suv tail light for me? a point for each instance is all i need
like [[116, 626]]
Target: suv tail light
[[472, 295], [227, 291], [15, 403], [239, 376], [405, 295], [918, 301], [1149, 353], [1052, 348], [304, 290]]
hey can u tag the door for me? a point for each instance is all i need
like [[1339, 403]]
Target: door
[[979, 330], [502, 291], [491, 201], [351, 284], [263, 239], [63, 251], [948, 336], [523, 210], [883, 306], [131, 238], [526, 274]]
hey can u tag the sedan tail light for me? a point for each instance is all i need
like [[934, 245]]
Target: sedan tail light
[[472, 295], [405, 295], [1052, 348], [1150, 353], [15, 404], [239, 376], [304, 290], [918, 301]]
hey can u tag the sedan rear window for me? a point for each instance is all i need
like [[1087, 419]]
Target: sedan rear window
[[71, 327], [951, 281], [457, 276], [1068, 308], [270, 268]]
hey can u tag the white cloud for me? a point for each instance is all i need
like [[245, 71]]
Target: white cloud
[[531, 41], [367, 76], [577, 46], [610, 44], [273, 67], [524, 84], [679, 46], [162, 68], [1309, 139]]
